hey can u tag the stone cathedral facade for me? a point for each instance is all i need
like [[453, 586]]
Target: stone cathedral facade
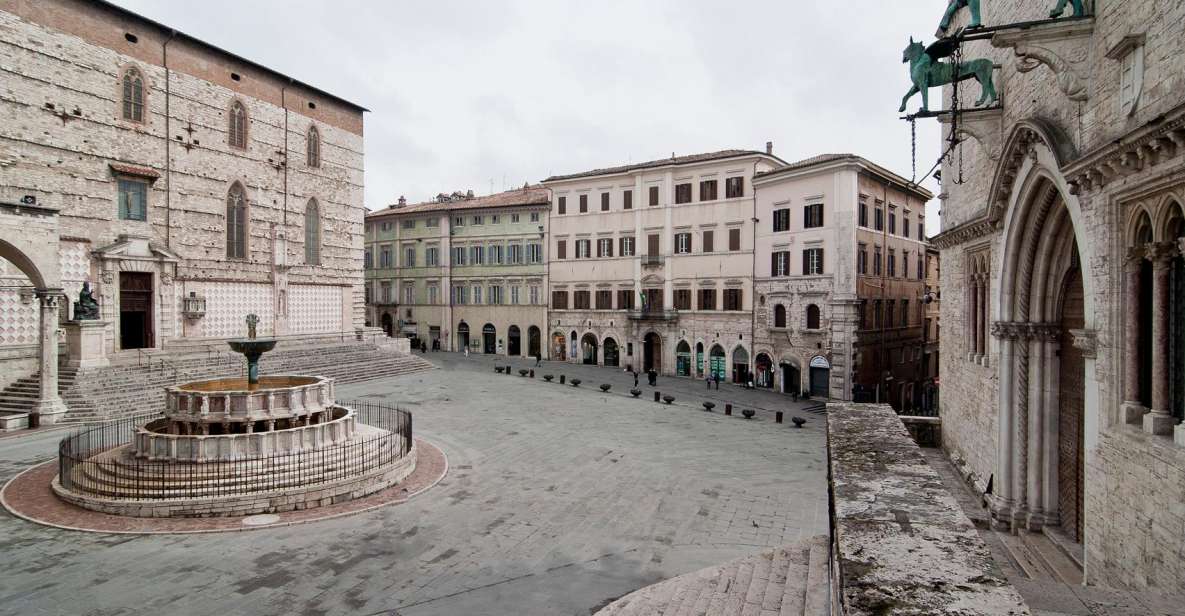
[[174, 170], [1063, 365]]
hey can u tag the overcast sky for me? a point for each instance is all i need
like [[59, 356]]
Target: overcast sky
[[479, 94]]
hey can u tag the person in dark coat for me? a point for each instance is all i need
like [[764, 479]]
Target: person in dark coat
[[635, 372], [653, 375]]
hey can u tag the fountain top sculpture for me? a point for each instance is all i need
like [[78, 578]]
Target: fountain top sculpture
[[252, 348]]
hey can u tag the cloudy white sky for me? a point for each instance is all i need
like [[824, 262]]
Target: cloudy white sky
[[479, 94]]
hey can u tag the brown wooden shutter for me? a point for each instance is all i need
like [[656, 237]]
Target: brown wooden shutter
[[561, 249], [652, 245], [708, 241]]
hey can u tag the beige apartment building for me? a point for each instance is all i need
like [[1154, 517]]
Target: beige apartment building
[[462, 271], [839, 280], [651, 264]]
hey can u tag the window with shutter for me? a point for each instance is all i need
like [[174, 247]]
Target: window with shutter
[[561, 249], [627, 200], [562, 206], [604, 202], [653, 195], [734, 187], [734, 239], [682, 193], [707, 190], [708, 241], [583, 203]]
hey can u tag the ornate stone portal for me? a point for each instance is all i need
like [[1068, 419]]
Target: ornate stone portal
[[238, 446]]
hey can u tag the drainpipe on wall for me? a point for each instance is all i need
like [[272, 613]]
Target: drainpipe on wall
[[753, 272], [168, 143]]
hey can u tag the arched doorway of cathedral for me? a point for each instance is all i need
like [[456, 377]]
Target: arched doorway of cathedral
[[610, 354], [652, 353], [514, 341], [763, 372], [558, 346], [533, 341], [1045, 364], [683, 359], [588, 349], [462, 336]]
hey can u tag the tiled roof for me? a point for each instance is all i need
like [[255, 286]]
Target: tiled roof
[[662, 162], [529, 195]]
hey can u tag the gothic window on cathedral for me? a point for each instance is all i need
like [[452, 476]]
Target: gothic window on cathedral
[[976, 304], [314, 147], [133, 95], [237, 126], [236, 222], [312, 233]]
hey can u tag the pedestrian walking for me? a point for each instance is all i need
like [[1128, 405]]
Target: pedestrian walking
[[538, 359], [708, 381], [635, 372], [466, 351]]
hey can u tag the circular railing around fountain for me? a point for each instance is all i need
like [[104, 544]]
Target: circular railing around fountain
[[81, 463]]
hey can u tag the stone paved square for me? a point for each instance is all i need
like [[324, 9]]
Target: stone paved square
[[558, 500]]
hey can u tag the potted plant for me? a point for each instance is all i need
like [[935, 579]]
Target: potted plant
[[748, 413], [523, 372], [548, 377], [635, 392], [668, 399], [605, 387], [708, 406], [798, 421], [575, 382], [498, 369]]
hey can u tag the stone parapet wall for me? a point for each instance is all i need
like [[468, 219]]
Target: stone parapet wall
[[901, 542], [278, 501]]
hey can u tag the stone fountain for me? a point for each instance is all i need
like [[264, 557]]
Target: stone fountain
[[235, 446]]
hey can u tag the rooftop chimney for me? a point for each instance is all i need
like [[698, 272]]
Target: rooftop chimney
[[769, 148]]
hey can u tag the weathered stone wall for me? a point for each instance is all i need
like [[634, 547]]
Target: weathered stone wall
[[61, 129], [902, 543], [1132, 533]]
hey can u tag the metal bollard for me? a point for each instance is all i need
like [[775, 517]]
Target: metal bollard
[[657, 397], [728, 409], [778, 417], [532, 373], [561, 379]]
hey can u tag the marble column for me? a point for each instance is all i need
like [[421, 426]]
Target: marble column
[[1004, 497], [1160, 420], [972, 318], [1133, 410], [49, 408], [981, 316]]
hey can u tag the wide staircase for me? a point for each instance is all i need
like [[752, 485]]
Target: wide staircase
[[134, 384], [791, 580]]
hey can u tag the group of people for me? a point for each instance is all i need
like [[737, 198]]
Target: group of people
[[651, 376]]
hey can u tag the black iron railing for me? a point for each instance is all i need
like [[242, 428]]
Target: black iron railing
[[127, 478]]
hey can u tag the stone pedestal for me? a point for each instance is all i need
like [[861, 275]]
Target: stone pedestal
[[86, 344]]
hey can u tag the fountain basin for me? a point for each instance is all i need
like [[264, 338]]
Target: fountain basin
[[152, 441], [236, 400]]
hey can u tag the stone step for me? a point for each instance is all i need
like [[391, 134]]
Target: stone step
[[1024, 557], [1055, 560]]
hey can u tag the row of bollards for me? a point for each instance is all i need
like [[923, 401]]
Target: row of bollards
[[658, 397]]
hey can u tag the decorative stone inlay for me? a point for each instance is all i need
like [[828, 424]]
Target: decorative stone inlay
[[1063, 46]]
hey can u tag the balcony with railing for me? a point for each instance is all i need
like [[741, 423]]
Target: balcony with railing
[[651, 260], [653, 314]]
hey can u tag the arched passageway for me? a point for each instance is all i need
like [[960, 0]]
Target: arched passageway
[[740, 365], [716, 363], [513, 341], [610, 353], [387, 323], [652, 352], [462, 336], [558, 346], [533, 341], [763, 371], [489, 339], [683, 359], [588, 350]]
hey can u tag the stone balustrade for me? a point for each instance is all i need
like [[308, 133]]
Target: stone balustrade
[[152, 444], [223, 400]]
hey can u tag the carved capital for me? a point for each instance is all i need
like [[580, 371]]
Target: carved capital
[[1161, 253], [1007, 330], [1086, 340]]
